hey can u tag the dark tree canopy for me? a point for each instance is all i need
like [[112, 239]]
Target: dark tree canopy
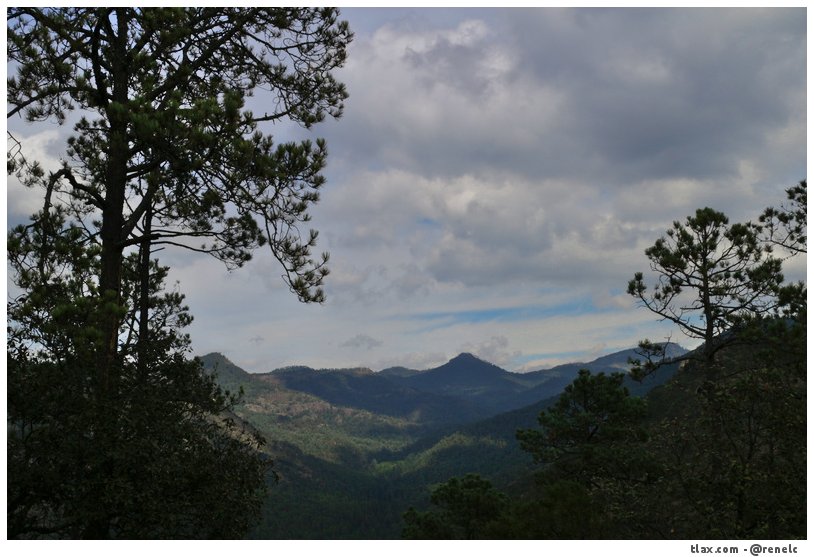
[[161, 457], [595, 409], [468, 508], [593, 429]]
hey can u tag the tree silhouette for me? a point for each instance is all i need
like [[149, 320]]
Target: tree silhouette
[[712, 276], [165, 151]]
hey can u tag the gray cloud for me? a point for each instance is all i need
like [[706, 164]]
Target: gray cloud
[[362, 341], [613, 95], [678, 93], [511, 158], [487, 157], [494, 350], [556, 144]]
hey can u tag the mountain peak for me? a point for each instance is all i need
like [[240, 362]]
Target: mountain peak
[[215, 358], [467, 357], [467, 365]]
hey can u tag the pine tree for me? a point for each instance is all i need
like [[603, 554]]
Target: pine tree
[[113, 430], [164, 131], [712, 277], [162, 457]]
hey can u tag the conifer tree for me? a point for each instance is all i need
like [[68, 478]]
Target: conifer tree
[[162, 457], [712, 276], [128, 437], [163, 129]]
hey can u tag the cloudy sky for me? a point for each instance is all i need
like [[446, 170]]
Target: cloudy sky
[[497, 175]]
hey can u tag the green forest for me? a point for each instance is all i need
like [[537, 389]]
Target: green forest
[[114, 430]]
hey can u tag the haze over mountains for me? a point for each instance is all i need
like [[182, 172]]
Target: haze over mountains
[[355, 447]]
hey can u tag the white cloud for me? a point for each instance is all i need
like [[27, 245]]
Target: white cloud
[[38, 147], [361, 341], [494, 350]]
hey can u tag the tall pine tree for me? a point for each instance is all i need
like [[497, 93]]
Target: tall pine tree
[[164, 152]]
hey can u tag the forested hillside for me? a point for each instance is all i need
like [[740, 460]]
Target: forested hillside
[[715, 453], [353, 449]]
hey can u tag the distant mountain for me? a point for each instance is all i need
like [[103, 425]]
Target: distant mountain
[[315, 426], [229, 376], [306, 369], [550, 382], [467, 369], [469, 378], [380, 394], [463, 390], [353, 448], [617, 361], [399, 371], [496, 390]]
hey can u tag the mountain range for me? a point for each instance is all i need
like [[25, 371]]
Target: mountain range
[[355, 447]]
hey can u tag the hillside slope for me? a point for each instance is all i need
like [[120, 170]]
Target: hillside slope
[[354, 449]]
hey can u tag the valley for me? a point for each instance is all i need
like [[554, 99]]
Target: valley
[[353, 448]]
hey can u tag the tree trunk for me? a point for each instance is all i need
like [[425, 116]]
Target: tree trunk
[[144, 295], [110, 277], [709, 310], [113, 213]]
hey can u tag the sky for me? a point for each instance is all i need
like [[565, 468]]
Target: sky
[[497, 175]]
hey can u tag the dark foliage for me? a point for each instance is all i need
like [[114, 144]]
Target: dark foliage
[[467, 510], [167, 463], [162, 457]]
